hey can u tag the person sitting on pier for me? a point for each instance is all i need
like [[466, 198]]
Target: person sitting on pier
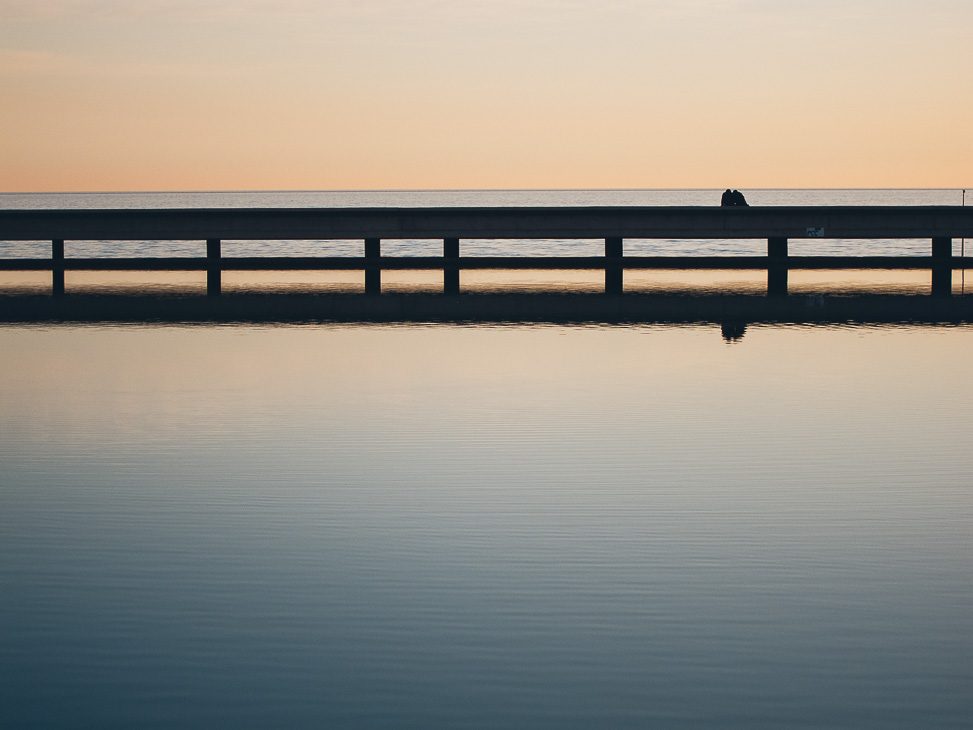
[[733, 199]]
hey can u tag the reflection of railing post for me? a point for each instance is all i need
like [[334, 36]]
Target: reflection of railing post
[[613, 266], [57, 267], [777, 266], [373, 267], [942, 266], [214, 283], [450, 266]]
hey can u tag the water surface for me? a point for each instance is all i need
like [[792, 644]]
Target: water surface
[[513, 526]]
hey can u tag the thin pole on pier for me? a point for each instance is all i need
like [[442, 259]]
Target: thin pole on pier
[[57, 267], [373, 269], [777, 266], [214, 276], [614, 282], [942, 267], [450, 266]]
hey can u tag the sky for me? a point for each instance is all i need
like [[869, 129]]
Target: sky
[[433, 94]]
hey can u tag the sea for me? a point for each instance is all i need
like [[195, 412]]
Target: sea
[[484, 524]]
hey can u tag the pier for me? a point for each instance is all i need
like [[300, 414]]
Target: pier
[[940, 225]]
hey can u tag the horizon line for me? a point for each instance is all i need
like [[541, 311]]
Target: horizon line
[[444, 190]]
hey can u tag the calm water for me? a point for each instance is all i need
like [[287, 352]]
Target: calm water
[[543, 527]]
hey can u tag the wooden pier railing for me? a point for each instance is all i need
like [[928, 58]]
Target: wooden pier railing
[[778, 225]]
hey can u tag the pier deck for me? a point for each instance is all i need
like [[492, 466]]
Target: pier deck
[[778, 225]]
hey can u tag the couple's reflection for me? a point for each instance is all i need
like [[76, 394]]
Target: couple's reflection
[[733, 331]]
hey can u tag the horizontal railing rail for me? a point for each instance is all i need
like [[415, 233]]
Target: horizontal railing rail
[[679, 222], [431, 263]]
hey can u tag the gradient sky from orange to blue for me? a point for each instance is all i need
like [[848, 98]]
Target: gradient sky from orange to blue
[[337, 94]]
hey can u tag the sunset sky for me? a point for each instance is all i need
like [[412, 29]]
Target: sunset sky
[[373, 94]]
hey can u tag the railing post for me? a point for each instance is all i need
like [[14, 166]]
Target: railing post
[[214, 276], [57, 267], [450, 266], [373, 268], [613, 266], [942, 266], [777, 266]]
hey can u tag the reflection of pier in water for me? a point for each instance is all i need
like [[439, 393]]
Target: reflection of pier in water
[[778, 225], [731, 312]]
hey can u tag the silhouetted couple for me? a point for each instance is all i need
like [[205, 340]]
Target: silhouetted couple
[[733, 199]]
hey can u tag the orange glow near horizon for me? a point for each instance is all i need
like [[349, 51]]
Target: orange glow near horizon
[[101, 95]]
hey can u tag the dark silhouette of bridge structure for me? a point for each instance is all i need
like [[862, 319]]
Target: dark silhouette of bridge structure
[[778, 225]]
